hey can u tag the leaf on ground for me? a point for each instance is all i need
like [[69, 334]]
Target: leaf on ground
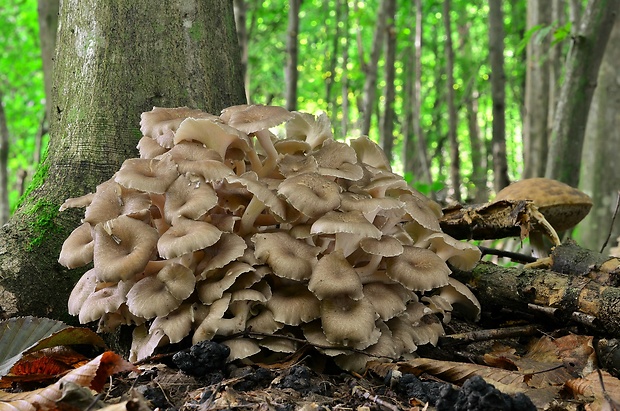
[[603, 387], [548, 361], [93, 374], [24, 335]]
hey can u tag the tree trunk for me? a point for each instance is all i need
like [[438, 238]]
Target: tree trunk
[[370, 69], [498, 95], [48, 27], [114, 60], [535, 121], [243, 38], [344, 79], [387, 126], [478, 151], [455, 163], [292, 55], [556, 61], [4, 165], [332, 63], [582, 68], [600, 160], [417, 99]]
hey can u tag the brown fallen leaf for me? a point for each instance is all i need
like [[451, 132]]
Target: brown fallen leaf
[[600, 385], [93, 374]]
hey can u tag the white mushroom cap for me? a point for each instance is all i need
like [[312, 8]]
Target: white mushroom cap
[[161, 123], [147, 175], [188, 198], [418, 269], [293, 305], [227, 249], [78, 248], [349, 322], [186, 236], [314, 130], [178, 323], [334, 278], [389, 300], [460, 254], [287, 257], [104, 300], [219, 281], [310, 193], [85, 286], [158, 295], [338, 159], [123, 246], [368, 152], [461, 299]]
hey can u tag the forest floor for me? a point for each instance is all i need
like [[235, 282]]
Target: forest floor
[[197, 379]]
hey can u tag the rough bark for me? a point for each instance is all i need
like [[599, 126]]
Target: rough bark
[[292, 55], [498, 95], [114, 60], [387, 124], [370, 69], [569, 125], [603, 142], [535, 120], [588, 295], [455, 163]]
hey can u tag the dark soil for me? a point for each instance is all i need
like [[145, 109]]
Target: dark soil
[[199, 379]]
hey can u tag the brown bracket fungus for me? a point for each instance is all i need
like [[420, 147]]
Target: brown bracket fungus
[[562, 206], [222, 227]]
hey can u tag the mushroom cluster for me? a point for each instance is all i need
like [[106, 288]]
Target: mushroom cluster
[[221, 230]]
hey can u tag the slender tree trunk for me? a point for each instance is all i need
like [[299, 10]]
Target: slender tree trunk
[[370, 69], [455, 163], [48, 27], [345, 72], [242, 35], [574, 14], [292, 54], [417, 98], [564, 160], [535, 122], [498, 94], [333, 62], [4, 165], [387, 126], [478, 151], [556, 63], [107, 72], [603, 140]]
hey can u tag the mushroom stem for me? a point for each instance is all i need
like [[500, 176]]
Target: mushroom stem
[[252, 211], [264, 139], [370, 267]]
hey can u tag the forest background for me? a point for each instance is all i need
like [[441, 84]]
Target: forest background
[[462, 95]]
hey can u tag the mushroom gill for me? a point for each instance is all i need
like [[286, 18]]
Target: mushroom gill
[[235, 227]]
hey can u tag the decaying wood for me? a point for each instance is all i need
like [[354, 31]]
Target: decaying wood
[[499, 219], [585, 290]]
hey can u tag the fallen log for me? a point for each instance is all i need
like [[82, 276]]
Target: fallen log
[[585, 291]]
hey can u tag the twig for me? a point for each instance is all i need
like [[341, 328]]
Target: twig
[[613, 219], [519, 258], [485, 335], [360, 392]]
